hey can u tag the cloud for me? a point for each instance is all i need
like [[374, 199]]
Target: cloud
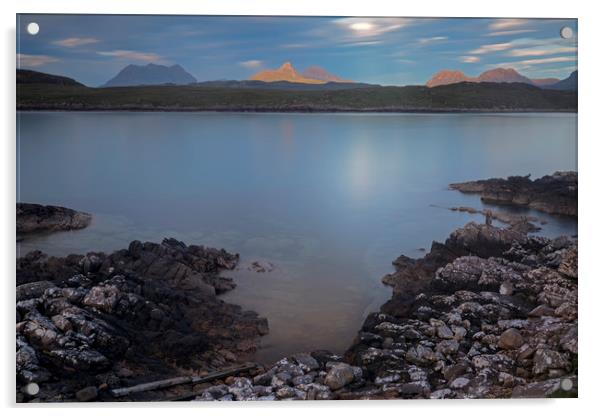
[[295, 45], [530, 63], [361, 27], [470, 59], [510, 32], [251, 64], [72, 42], [541, 51], [495, 47], [133, 55], [503, 24], [426, 41], [24, 60]]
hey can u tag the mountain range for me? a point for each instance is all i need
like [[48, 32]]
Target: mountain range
[[447, 77], [150, 74], [286, 72]]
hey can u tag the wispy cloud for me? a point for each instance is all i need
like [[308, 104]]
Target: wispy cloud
[[73, 42], [531, 63], [470, 59], [251, 64], [503, 24], [551, 50], [25, 60], [295, 45], [133, 55], [495, 47], [427, 41], [510, 32]]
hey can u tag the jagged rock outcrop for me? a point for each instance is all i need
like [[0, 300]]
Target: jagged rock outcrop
[[32, 218], [137, 314], [554, 194], [465, 335]]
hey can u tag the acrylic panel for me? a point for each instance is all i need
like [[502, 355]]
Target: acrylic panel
[[295, 208]]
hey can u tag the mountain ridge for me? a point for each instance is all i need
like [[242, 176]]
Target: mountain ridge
[[150, 74], [499, 75]]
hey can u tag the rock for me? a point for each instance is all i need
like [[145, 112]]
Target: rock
[[506, 288], [459, 383], [545, 360], [102, 297], [87, 394], [448, 347], [32, 290], [442, 394], [306, 362], [33, 218], [339, 376], [554, 194], [540, 389], [260, 266], [541, 310], [510, 339]]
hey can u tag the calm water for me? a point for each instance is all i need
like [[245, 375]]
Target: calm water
[[329, 199]]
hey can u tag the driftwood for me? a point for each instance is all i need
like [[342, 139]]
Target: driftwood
[[176, 381]]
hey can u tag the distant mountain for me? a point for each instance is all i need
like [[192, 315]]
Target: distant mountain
[[26, 76], [286, 72], [447, 77], [150, 74], [503, 75], [316, 72], [569, 84]]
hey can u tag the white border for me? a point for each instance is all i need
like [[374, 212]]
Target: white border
[[590, 159]]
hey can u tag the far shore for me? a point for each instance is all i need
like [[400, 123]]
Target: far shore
[[297, 110]]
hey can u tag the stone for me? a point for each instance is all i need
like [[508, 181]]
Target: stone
[[506, 288], [510, 339], [87, 394], [448, 346], [442, 394], [541, 310], [103, 298], [306, 362], [32, 290], [459, 383], [545, 360], [339, 376]]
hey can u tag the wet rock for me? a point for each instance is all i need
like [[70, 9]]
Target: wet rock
[[554, 194], [33, 218]]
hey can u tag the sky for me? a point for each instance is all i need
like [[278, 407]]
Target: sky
[[388, 51]]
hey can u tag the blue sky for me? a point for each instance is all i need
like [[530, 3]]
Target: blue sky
[[389, 51]]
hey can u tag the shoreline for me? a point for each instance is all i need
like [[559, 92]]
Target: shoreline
[[376, 110]]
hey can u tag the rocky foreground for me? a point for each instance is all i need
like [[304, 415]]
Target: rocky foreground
[[554, 194], [35, 218], [88, 324]]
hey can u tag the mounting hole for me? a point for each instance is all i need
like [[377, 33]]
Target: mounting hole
[[566, 32], [33, 28], [566, 384]]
